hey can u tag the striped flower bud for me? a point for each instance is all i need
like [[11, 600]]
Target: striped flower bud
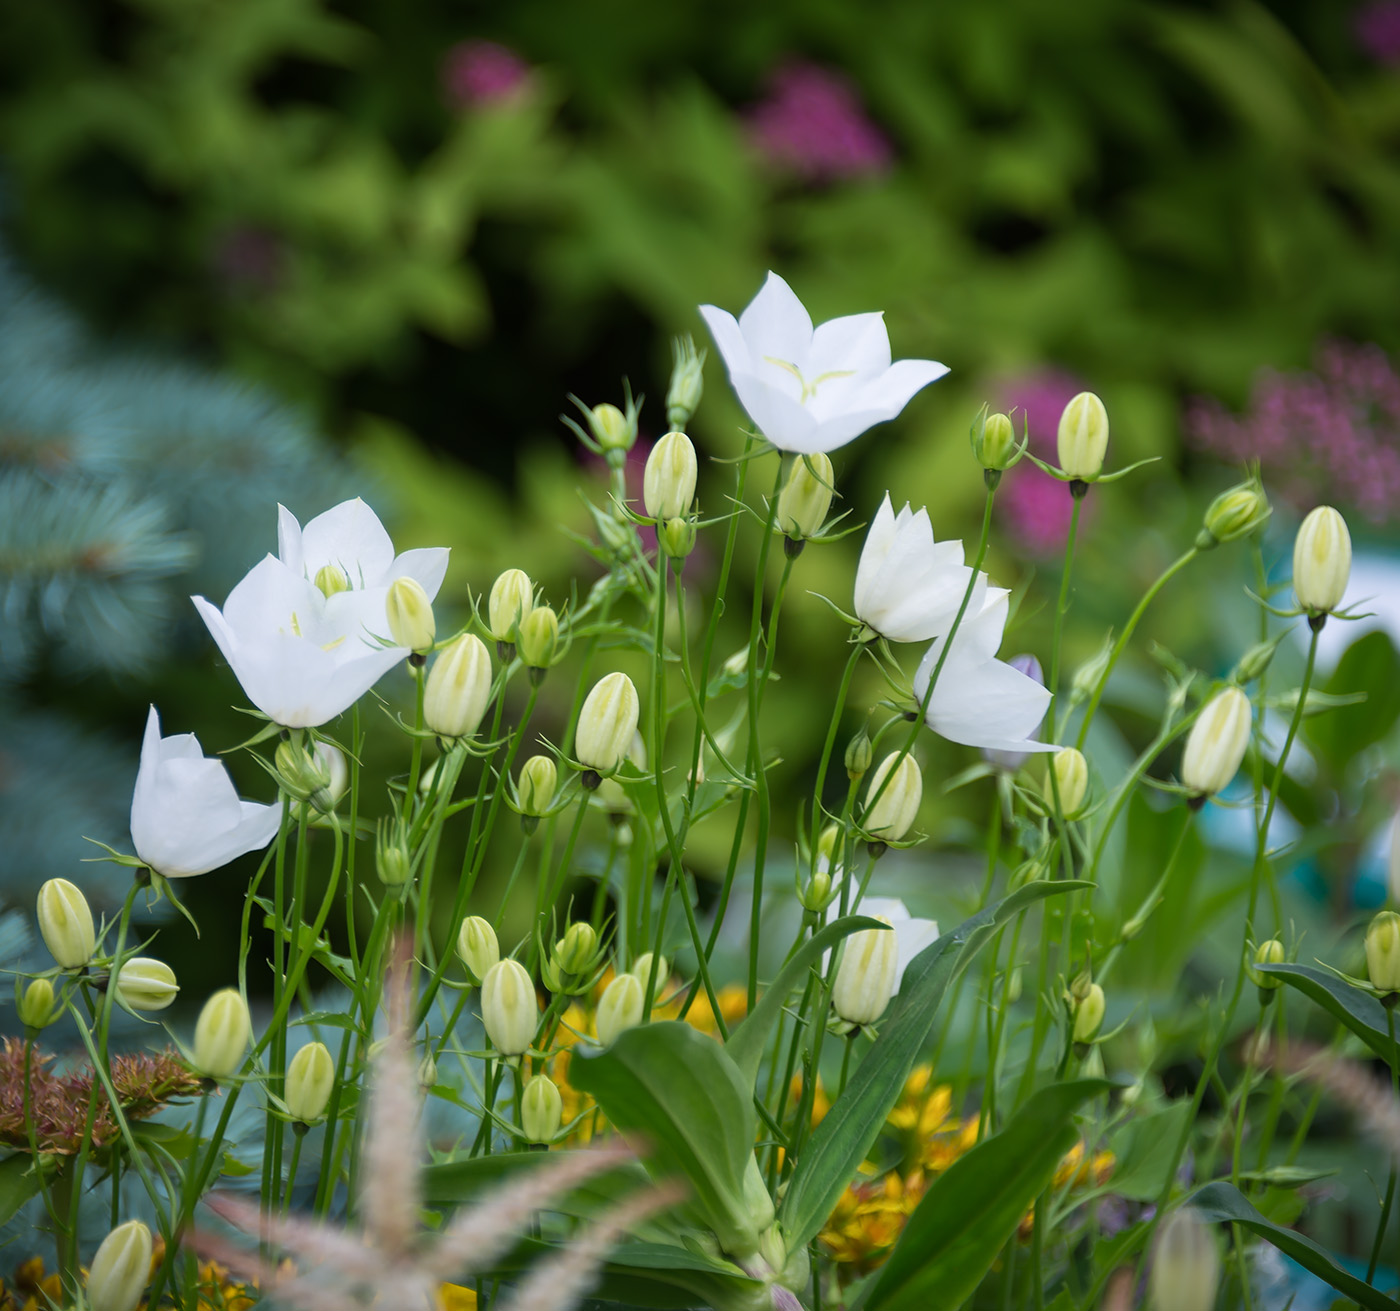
[[1217, 743], [221, 1034], [805, 497], [310, 1082], [65, 923], [865, 978], [897, 805], [410, 615], [1070, 775], [120, 1269], [509, 1008], [1083, 437], [458, 689], [668, 485], [619, 1008], [606, 724], [478, 947], [1321, 561], [145, 984], [512, 598]]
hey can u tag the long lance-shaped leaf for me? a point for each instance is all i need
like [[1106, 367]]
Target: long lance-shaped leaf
[[851, 1126], [1223, 1201], [746, 1044], [1358, 1010], [676, 1088], [974, 1206]]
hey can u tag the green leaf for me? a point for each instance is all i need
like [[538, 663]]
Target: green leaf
[[678, 1089], [1358, 1010], [851, 1126], [1145, 1150], [1369, 664], [18, 1183], [1223, 1201], [974, 1206], [746, 1044]]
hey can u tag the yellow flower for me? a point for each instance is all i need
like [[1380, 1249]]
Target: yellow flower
[[868, 1220], [453, 1297], [921, 1111], [733, 1001]]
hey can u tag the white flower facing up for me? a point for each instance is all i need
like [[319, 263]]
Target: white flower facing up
[[979, 700], [186, 816], [305, 633], [908, 587], [813, 390]]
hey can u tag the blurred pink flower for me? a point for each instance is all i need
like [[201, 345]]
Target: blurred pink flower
[[1332, 434], [1035, 507], [482, 73], [812, 123], [1378, 29]]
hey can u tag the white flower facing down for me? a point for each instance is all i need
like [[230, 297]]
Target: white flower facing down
[[979, 700], [908, 587], [813, 390], [186, 816], [303, 656]]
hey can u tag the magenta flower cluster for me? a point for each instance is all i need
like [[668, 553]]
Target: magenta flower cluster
[[1035, 507], [476, 73], [1378, 30], [812, 124], [1328, 435]]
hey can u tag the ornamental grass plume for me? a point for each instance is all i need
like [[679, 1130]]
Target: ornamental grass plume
[[387, 1259]]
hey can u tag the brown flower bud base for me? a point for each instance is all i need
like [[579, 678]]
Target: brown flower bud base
[[792, 546], [1078, 488], [591, 779]]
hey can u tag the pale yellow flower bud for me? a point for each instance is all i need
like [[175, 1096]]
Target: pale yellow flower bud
[[410, 615], [614, 430], [512, 598], [539, 637], [606, 724], [994, 442], [310, 1082], [620, 1008], [668, 485], [1234, 514], [687, 382], [120, 1269], [1083, 437], [1217, 743], [331, 579], [1071, 777], [221, 1034], [1383, 952], [642, 969], [458, 689], [574, 952], [1321, 561], [145, 984], [1267, 953], [535, 791], [65, 923], [36, 1004], [477, 946], [865, 978], [1185, 1265], [805, 497], [1088, 1015], [896, 808], [541, 1110], [509, 1008]]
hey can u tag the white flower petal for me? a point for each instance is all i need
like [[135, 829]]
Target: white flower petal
[[776, 325], [855, 343], [349, 536], [426, 565], [724, 328], [289, 544], [780, 418], [992, 706]]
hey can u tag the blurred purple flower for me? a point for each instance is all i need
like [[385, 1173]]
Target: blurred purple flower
[[1329, 435], [1033, 505], [1378, 29], [812, 123], [478, 73], [1011, 761]]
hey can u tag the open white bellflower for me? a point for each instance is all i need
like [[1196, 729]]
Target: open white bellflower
[[303, 656], [813, 390], [979, 700], [908, 587], [186, 815]]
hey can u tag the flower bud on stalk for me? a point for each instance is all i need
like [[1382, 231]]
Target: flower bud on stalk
[[1088, 1019], [574, 952], [535, 790], [605, 727], [35, 1005], [866, 976], [642, 969], [1321, 563], [804, 500], [221, 1034], [860, 752], [687, 382], [620, 1008], [509, 1008], [120, 1269], [427, 1072], [1255, 661], [993, 442], [65, 923], [1070, 776], [539, 638], [1234, 514], [1267, 953], [458, 689], [310, 1082], [897, 806], [1083, 440], [337, 772], [677, 537], [817, 894], [392, 861], [145, 984], [541, 1110], [1383, 956], [331, 580], [613, 430], [668, 485], [1185, 1265], [512, 598], [410, 615], [1216, 744], [478, 947]]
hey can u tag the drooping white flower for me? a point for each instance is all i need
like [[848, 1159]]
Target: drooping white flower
[[979, 700], [306, 634], [908, 587], [813, 390], [186, 816]]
